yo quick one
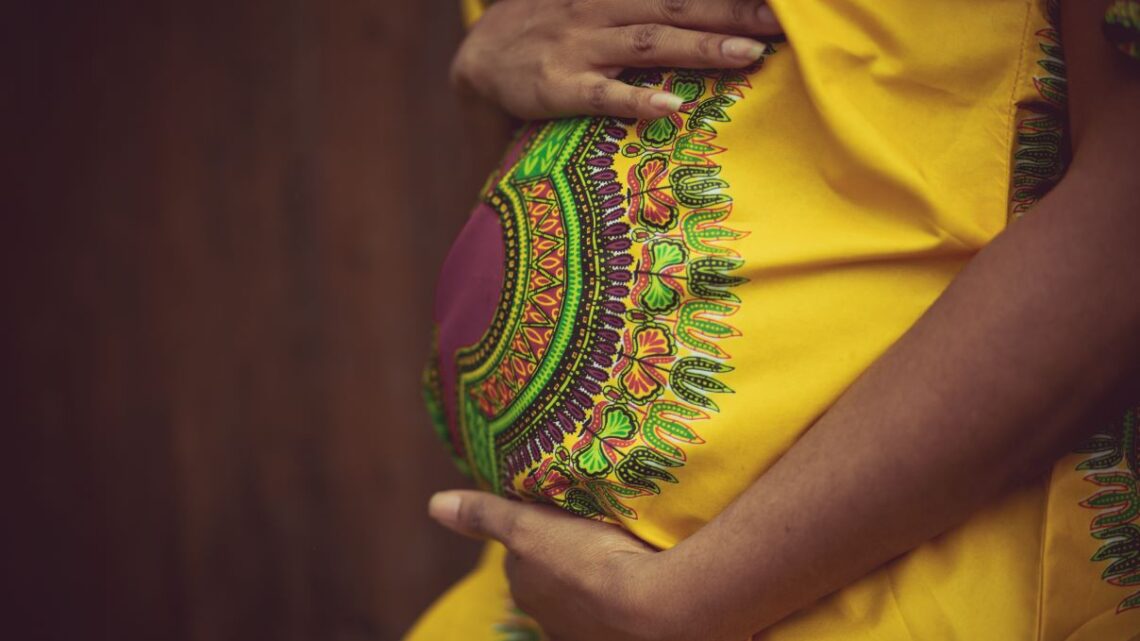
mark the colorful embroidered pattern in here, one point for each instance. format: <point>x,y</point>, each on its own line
<point>1114,465</point>
<point>1040,153</point>
<point>608,342</point>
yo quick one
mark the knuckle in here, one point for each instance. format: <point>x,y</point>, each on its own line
<point>597,94</point>
<point>675,8</point>
<point>708,46</point>
<point>575,8</point>
<point>545,69</point>
<point>743,11</point>
<point>645,38</point>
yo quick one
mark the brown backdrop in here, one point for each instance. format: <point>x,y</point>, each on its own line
<point>223,224</point>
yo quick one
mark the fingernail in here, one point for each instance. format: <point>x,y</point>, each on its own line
<point>767,17</point>
<point>444,507</point>
<point>742,48</point>
<point>664,100</point>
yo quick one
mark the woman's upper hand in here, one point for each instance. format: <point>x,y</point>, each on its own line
<point>553,58</point>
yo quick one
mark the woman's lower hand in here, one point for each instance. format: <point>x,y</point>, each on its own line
<point>581,580</point>
<point>553,58</point>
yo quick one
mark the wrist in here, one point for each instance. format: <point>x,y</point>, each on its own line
<point>697,600</point>
<point>669,594</point>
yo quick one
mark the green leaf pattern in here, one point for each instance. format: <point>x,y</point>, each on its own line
<point>664,254</point>
<point>1113,459</point>
<point>618,424</point>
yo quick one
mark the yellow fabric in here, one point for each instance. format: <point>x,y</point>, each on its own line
<point>870,160</point>
<point>471,10</point>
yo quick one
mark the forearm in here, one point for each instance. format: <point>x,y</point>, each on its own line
<point>1002,374</point>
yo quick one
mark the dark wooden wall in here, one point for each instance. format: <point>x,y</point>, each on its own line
<point>223,221</point>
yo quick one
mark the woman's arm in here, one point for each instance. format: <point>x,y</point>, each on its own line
<point>999,377</point>
<point>996,380</point>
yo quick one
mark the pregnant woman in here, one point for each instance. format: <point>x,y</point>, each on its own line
<point>791,340</point>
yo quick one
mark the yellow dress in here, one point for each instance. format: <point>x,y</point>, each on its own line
<point>641,317</point>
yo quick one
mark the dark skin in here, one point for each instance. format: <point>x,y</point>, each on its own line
<point>539,59</point>
<point>1035,340</point>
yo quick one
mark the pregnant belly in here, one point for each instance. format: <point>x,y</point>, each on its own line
<point>583,312</point>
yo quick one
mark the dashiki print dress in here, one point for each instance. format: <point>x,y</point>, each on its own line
<point>640,317</point>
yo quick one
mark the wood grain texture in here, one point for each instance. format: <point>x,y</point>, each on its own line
<point>224,224</point>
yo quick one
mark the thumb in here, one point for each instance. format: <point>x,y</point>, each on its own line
<point>476,514</point>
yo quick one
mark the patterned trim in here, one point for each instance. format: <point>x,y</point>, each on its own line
<point>1041,151</point>
<point>1114,465</point>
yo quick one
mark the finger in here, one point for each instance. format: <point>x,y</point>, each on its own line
<point>477,514</point>
<point>752,17</point>
<point>593,94</point>
<point>654,45</point>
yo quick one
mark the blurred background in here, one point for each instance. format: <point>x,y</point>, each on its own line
<point>223,222</point>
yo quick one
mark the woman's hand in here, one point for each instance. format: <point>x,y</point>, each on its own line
<point>550,58</point>
<point>581,580</point>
